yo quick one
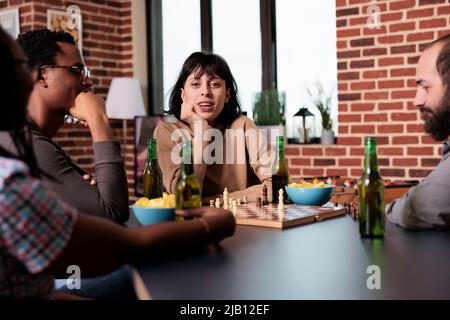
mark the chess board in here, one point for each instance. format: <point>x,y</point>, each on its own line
<point>292,215</point>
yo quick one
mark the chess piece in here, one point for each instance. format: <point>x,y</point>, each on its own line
<point>239,201</point>
<point>265,201</point>
<point>211,203</point>
<point>329,180</point>
<point>280,199</point>
<point>217,203</point>
<point>280,214</point>
<point>258,202</point>
<point>245,200</point>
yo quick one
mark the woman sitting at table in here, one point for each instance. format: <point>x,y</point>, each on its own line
<point>41,236</point>
<point>229,150</point>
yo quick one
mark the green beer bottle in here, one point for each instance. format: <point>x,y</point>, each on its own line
<point>152,176</point>
<point>371,194</point>
<point>187,191</point>
<point>280,173</point>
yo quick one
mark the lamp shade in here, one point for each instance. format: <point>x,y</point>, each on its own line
<point>124,99</point>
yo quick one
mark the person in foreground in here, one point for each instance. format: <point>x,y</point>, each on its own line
<point>427,205</point>
<point>63,88</point>
<point>229,150</point>
<point>41,235</point>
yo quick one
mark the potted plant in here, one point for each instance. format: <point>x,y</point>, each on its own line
<point>322,102</point>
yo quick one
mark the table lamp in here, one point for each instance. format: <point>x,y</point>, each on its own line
<point>125,101</point>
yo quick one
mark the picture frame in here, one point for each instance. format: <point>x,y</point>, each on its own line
<point>10,21</point>
<point>69,21</point>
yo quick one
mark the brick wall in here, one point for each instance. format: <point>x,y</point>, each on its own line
<point>107,50</point>
<point>376,86</point>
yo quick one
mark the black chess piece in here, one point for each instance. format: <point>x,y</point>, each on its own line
<point>258,202</point>
<point>265,201</point>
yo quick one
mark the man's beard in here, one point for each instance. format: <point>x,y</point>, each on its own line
<point>437,122</point>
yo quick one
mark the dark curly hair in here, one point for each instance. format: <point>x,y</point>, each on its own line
<point>40,46</point>
<point>213,65</point>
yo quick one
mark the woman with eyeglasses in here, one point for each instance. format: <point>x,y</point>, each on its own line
<point>41,235</point>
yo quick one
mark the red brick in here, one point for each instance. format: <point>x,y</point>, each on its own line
<point>405,140</point>
<point>343,129</point>
<point>376,117</point>
<point>349,118</point>
<point>341,3</point>
<point>313,172</point>
<point>392,172</point>
<point>362,64</point>
<point>366,85</point>
<point>362,107</point>
<point>349,54</point>
<point>421,36</point>
<point>433,23</point>
<point>410,48</point>
<point>341,23</point>
<point>390,106</point>
<point>404,4</point>
<point>430,162</point>
<point>389,128</point>
<point>391,16</point>
<point>342,86</point>
<point>390,39</point>
<point>442,10</point>
<point>404,94</point>
<point>391,84</point>
<point>335,152</point>
<point>404,26</point>
<point>404,116</point>
<point>337,173</point>
<point>349,96</point>
<point>375,74</point>
<point>292,151</point>
<point>375,31</point>
<point>393,151</point>
<point>324,162</point>
<point>349,141</point>
<point>375,52</point>
<point>341,44</point>
<point>342,107</point>
<point>428,2</point>
<point>379,95</point>
<point>420,151</point>
<point>362,129</point>
<point>312,151</point>
<point>390,61</point>
<point>410,128</point>
<point>362,42</point>
<point>419,13</point>
<point>428,139</point>
<point>350,162</point>
<point>357,151</point>
<point>348,33</point>
<point>405,162</point>
<point>301,162</point>
<point>356,172</point>
<point>358,20</point>
<point>414,173</point>
<point>403,72</point>
<point>347,12</point>
<point>348,76</point>
<point>294,171</point>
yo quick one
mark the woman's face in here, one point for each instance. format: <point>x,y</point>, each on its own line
<point>207,94</point>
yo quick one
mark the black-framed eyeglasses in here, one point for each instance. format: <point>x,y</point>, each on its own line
<point>79,69</point>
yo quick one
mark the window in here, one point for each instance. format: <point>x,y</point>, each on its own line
<point>306,53</point>
<point>181,37</point>
<point>237,38</point>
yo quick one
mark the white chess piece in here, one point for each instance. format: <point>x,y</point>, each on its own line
<point>245,200</point>
<point>225,199</point>
<point>211,203</point>
<point>280,199</point>
<point>217,203</point>
<point>239,201</point>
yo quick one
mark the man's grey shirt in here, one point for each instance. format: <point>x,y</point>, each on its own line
<point>109,198</point>
<point>422,206</point>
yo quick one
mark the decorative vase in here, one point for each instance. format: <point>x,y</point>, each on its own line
<point>327,137</point>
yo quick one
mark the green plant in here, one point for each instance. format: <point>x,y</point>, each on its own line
<point>268,108</point>
<point>322,102</point>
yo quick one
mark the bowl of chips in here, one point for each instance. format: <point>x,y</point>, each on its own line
<point>310,194</point>
<point>151,211</point>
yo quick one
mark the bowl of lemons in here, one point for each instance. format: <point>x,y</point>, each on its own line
<point>151,211</point>
<point>310,194</point>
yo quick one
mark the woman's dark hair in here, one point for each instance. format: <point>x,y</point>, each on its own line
<point>13,114</point>
<point>213,65</point>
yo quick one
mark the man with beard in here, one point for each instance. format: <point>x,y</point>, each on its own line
<point>63,87</point>
<point>428,204</point>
